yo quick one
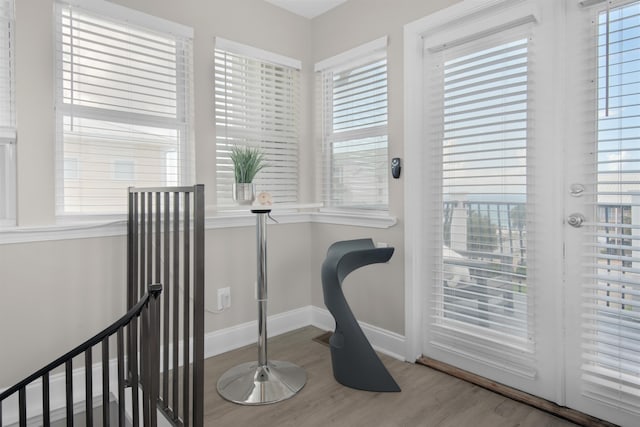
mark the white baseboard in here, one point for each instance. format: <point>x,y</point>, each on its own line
<point>216,342</point>
<point>386,342</point>
<point>234,337</point>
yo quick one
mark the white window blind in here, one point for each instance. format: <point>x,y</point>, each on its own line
<point>123,108</point>
<point>481,293</point>
<point>7,112</point>
<point>611,299</point>
<point>257,104</point>
<point>355,136</point>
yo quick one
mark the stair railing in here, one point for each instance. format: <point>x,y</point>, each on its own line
<point>146,311</point>
<point>166,245</point>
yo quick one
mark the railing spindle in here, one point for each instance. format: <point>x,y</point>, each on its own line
<point>105,382</point>
<point>133,363</point>
<point>142,238</point>
<point>69,391</point>
<point>46,405</point>
<point>133,276</point>
<point>198,307</point>
<point>88,386</point>
<point>149,261</point>
<point>145,369</point>
<point>154,348</point>
<point>176,301</point>
<point>166,298</point>
<point>22,406</point>
<point>135,249</point>
<point>186,312</point>
<point>158,245</point>
<point>121,379</point>
<point>130,249</point>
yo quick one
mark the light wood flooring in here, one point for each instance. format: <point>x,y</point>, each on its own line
<point>428,398</point>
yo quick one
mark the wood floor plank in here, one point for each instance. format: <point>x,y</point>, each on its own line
<point>429,398</point>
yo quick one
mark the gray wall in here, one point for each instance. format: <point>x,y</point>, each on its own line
<point>375,293</point>
<point>56,294</point>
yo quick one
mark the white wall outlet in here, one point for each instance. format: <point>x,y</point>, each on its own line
<point>224,298</point>
<point>382,245</point>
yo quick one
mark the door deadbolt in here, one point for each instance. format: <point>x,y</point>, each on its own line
<point>576,220</point>
<point>576,190</point>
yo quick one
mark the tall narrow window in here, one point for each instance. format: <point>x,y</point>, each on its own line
<point>257,104</point>
<point>7,114</point>
<point>354,125</point>
<point>481,292</point>
<point>611,350</point>
<point>123,106</point>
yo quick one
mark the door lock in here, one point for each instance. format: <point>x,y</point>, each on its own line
<point>577,190</point>
<point>576,220</point>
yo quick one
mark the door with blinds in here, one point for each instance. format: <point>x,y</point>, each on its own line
<point>495,248</point>
<point>532,135</point>
<point>603,212</point>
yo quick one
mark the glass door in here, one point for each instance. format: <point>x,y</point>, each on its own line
<point>528,261</point>
<point>603,210</point>
<point>493,243</point>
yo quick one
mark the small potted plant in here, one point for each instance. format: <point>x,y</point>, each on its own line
<point>247,162</point>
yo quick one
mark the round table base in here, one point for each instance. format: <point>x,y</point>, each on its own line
<point>252,384</point>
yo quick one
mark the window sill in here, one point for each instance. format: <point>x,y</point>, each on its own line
<point>355,219</point>
<point>225,218</point>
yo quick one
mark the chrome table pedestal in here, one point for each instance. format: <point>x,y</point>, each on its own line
<point>264,381</point>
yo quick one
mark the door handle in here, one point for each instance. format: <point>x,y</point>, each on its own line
<point>575,220</point>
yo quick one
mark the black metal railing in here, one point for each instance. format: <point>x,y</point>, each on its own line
<point>166,244</point>
<point>146,341</point>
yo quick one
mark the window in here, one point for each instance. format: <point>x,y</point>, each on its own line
<point>354,126</point>
<point>124,170</point>
<point>257,104</point>
<point>7,114</point>
<point>123,104</point>
<point>611,319</point>
<point>481,123</point>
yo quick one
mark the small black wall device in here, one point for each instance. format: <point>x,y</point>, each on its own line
<point>396,167</point>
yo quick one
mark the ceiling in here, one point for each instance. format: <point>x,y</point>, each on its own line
<point>307,8</point>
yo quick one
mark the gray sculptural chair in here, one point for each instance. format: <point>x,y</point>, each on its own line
<point>355,363</point>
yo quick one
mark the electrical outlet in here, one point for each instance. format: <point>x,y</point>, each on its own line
<point>224,298</point>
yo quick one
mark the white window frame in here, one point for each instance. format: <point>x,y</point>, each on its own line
<point>182,124</point>
<point>8,131</point>
<point>375,50</point>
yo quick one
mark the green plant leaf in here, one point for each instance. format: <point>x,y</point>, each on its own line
<point>247,162</point>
